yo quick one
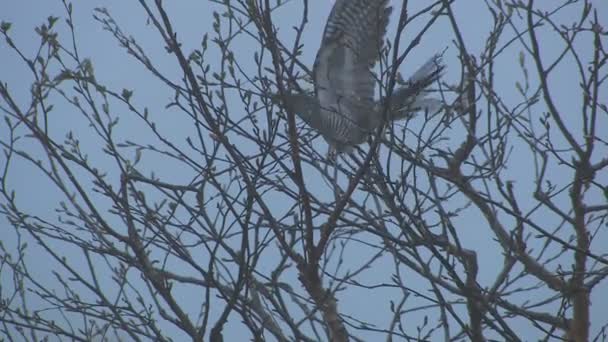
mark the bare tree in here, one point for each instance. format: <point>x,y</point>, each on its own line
<point>220,215</point>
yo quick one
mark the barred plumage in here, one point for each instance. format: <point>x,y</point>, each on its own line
<point>343,109</point>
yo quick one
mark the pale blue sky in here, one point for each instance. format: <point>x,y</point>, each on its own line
<point>192,19</point>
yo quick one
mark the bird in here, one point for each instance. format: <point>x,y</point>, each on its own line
<point>342,108</point>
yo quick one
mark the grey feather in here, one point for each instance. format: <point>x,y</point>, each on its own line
<point>343,109</point>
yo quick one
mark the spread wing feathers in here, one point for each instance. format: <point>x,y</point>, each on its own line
<point>351,45</point>
<point>428,73</point>
<point>412,96</point>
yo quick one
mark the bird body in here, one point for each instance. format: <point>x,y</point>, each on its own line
<point>343,109</point>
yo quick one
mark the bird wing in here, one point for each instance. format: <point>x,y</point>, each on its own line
<point>350,47</point>
<point>412,96</point>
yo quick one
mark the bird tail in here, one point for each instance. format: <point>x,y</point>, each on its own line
<point>413,95</point>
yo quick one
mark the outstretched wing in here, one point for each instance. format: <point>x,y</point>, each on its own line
<point>350,47</point>
<point>413,95</point>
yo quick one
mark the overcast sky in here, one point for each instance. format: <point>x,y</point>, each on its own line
<point>192,19</point>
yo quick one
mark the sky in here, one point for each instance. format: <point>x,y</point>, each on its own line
<point>192,19</point>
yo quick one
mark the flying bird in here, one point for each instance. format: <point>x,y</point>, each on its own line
<point>342,107</point>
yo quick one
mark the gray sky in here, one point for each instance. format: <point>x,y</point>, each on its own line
<point>192,19</point>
